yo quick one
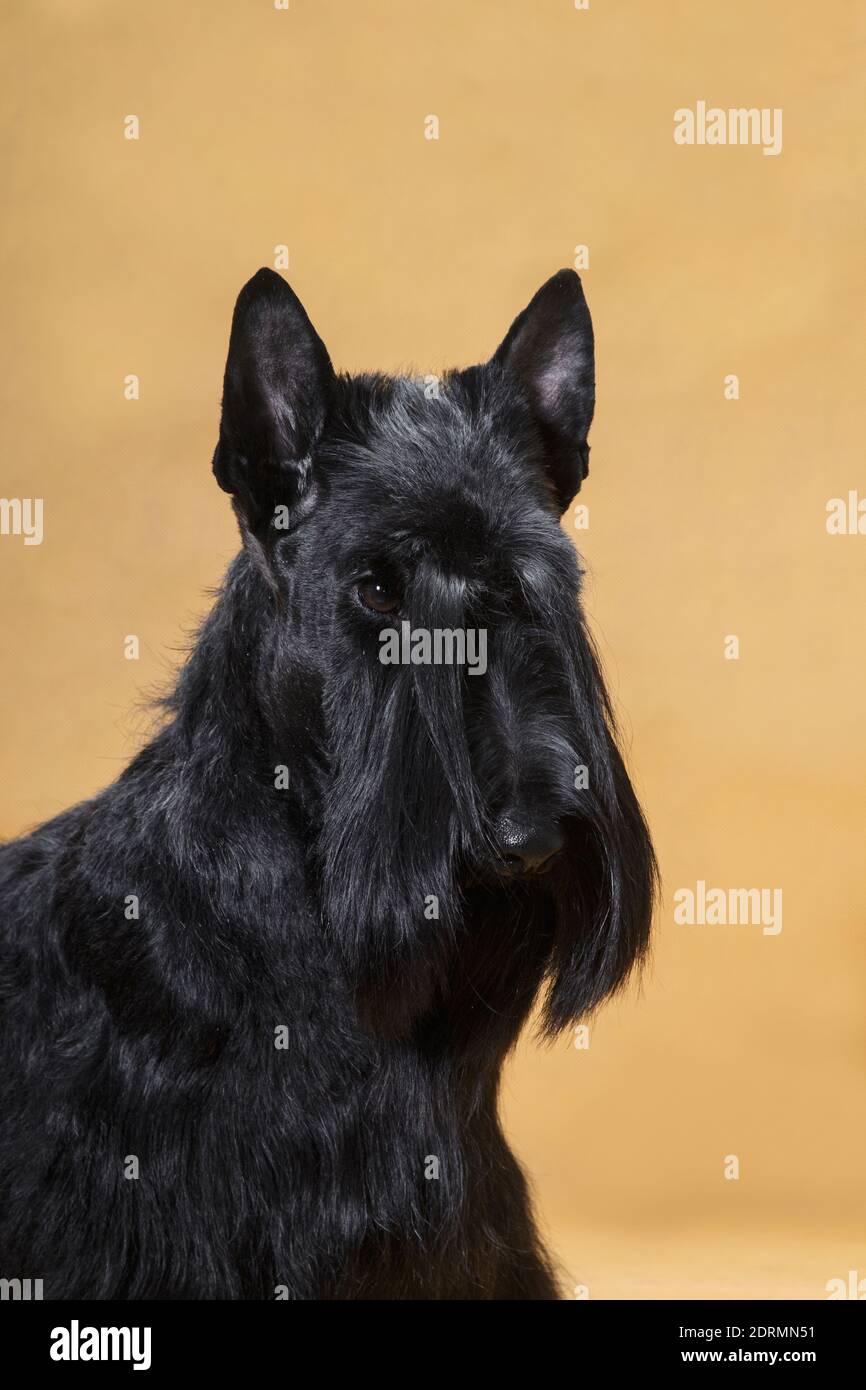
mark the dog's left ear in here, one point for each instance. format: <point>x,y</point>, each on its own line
<point>276,395</point>
<point>550,349</point>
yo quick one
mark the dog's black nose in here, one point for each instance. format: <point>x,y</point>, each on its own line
<point>525,847</point>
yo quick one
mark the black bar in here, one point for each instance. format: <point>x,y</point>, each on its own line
<point>248,1338</point>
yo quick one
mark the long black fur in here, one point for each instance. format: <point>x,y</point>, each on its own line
<point>307,1169</point>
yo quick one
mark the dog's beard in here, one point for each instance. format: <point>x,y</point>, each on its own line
<point>602,891</point>
<point>406,834</point>
<point>605,882</point>
<point>392,839</point>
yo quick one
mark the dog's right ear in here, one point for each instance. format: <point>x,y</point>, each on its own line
<point>276,395</point>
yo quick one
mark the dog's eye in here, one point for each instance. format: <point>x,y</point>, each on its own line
<point>378,596</point>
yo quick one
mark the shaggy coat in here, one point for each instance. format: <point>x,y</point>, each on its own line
<point>257,994</point>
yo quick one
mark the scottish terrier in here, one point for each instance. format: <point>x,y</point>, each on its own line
<point>257,995</point>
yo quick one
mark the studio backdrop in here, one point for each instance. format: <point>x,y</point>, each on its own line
<point>416,172</point>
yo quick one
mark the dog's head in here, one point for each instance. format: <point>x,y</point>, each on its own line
<point>428,636</point>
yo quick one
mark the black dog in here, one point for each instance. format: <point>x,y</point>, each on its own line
<point>257,994</point>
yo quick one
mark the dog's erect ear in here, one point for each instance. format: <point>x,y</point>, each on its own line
<point>549,348</point>
<point>276,394</point>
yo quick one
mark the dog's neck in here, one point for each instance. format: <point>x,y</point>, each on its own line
<point>239,714</point>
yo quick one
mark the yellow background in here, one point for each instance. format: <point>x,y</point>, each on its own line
<point>707,516</point>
